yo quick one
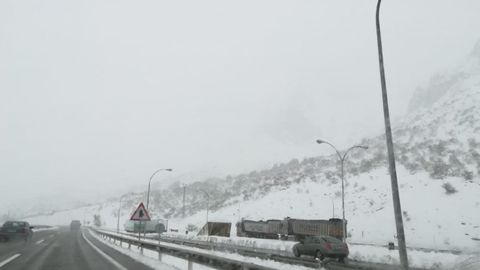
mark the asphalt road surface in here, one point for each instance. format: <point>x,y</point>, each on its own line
<point>63,249</point>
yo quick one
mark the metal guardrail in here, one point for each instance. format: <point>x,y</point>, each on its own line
<point>276,255</point>
<point>283,256</point>
<point>210,260</point>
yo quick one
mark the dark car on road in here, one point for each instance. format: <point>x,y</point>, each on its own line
<point>75,225</point>
<point>16,230</point>
<point>321,247</point>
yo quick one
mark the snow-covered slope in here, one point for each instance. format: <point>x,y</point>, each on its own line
<point>438,153</point>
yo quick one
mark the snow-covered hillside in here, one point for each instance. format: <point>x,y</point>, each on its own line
<point>438,155</point>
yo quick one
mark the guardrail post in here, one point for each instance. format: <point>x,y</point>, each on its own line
<point>190,265</point>
<point>159,254</point>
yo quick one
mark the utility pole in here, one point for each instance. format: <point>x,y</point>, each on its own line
<point>208,202</point>
<point>184,189</point>
<point>402,247</point>
<point>118,213</point>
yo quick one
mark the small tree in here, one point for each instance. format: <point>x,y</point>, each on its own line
<point>449,189</point>
<point>439,169</point>
<point>192,228</point>
<point>467,175</point>
<point>97,221</point>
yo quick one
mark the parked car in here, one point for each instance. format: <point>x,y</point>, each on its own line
<point>321,247</point>
<point>16,230</point>
<point>75,225</point>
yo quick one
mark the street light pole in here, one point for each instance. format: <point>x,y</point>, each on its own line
<point>118,214</point>
<point>148,194</point>
<point>150,181</point>
<point>402,246</point>
<point>208,203</point>
<point>342,159</point>
<point>183,208</point>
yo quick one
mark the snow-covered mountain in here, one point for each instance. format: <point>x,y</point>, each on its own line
<point>438,157</point>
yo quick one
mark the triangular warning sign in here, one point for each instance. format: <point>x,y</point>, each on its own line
<point>140,214</point>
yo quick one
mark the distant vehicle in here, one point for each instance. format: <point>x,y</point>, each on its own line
<point>290,228</point>
<point>75,225</point>
<point>16,230</point>
<point>152,226</point>
<point>321,247</point>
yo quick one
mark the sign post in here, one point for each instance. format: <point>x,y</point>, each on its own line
<point>141,214</point>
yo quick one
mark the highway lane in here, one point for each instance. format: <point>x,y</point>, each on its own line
<point>63,249</point>
<point>12,247</point>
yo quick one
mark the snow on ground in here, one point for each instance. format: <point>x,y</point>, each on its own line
<point>420,259</point>
<point>432,219</point>
<point>52,228</point>
<point>233,256</point>
<point>134,253</point>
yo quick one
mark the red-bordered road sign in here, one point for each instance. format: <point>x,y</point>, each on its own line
<point>140,214</point>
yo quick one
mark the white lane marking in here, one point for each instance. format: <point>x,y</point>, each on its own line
<point>110,259</point>
<point>9,259</point>
<point>39,241</point>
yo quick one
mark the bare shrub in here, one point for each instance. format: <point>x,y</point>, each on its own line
<point>449,189</point>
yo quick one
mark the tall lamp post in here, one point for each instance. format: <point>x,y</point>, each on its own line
<point>148,193</point>
<point>208,202</point>
<point>183,207</point>
<point>342,159</point>
<point>402,246</point>
<point>150,181</point>
<point>118,214</point>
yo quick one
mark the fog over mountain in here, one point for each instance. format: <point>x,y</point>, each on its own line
<point>438,165</point>
<point>439,139</point>
<point>425,96</point>
<point>95,96</point>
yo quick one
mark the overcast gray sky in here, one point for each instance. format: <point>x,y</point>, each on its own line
<point>96,95</point>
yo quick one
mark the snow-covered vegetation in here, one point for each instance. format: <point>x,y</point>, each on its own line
<point>438,155</point>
